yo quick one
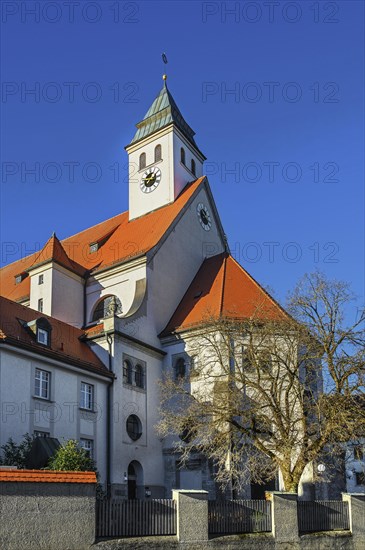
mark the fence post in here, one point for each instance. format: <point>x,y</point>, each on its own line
<point>192,515</point>
<point>284,518</point>
<point>356,503</point>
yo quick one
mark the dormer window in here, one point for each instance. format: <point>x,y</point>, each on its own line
<point>42,336</point>
<point>93,247</point>
<point>20,277</point>
<point>182,155</point>
<point>40,329</point>
<point>193,169</point>
<point>142,161</point>
<point>158,153</point>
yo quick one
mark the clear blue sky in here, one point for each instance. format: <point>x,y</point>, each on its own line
<point>293,128</point>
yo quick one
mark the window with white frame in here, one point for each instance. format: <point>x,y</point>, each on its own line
<point>40,305</point>
<point>87,396</point>
<point>42,384</point>
<point>43,336</point>
<point>88,446</point>
<point>41,279</point>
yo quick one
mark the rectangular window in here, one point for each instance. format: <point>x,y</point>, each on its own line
<point>358,452</point>
<point>40,305</point>
<point>41,388</point>
<point>37,433</point>
<point>87,396</point>
<point>42,336</point>
<point>40,279</point>
<point>88,446</point>
<point>360,478</point>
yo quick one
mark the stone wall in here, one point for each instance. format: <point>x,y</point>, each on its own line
<point>47,515</point>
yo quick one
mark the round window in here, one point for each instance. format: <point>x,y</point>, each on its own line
<point>134,427</point>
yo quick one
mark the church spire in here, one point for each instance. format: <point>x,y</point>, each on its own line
<point>163,112</point>
<point>163,156</point>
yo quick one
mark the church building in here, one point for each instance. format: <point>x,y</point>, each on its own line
<point>89,324</point>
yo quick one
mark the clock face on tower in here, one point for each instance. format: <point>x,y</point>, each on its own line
<point>150,179</point>
<point>204,216</point>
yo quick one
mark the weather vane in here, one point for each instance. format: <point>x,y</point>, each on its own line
<point>164,59</point>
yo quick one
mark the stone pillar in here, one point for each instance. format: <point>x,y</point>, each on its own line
<point>357,518</point>
<point>284,517</point>
<point>192,515</point>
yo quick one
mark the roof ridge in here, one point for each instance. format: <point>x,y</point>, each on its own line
<point>223,283</point>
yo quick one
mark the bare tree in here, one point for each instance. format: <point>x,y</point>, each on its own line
<point>272,392</point>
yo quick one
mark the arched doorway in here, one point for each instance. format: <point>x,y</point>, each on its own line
<point>135,480</point>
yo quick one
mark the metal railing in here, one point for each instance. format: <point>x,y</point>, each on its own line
<point>135,518</point>
<point>239,516</point>
<point>322,515</point>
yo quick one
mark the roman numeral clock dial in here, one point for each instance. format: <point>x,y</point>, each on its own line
<point>150,179</point>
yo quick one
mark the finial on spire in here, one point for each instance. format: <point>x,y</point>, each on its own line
<point>164,59</point>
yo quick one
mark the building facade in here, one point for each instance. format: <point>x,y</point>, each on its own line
<point>131,290</point>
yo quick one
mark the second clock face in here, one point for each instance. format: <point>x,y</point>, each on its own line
<point>150,179</point>
<point>204,216</point>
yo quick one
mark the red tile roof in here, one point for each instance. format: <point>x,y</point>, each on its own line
<point>46,476</point>
<point>122,239</point>
<point>222,289</point>
<point>65,346</point>
<point>54,251</point>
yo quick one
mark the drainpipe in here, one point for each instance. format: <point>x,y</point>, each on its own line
<point>109,339</point>
<point>84,309</point>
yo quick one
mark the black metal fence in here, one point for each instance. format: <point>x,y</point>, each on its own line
<point>239,516</point>
<point>322,515</point>
<point>135,518</point>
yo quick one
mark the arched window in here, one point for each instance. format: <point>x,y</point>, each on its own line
<point>134,427</point>
<point>107,307</point>
<point>142,161</point>
<point>182,155</point>
<point>158,153</point>
<point>180,368</point>
<point>139,376</point>
<point>193,169</point>
<point>127,372</point>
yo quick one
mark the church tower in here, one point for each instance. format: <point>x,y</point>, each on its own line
<point>163,157</point>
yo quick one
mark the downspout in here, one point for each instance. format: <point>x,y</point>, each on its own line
<point>84,309</point>
<point>109,339</point>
